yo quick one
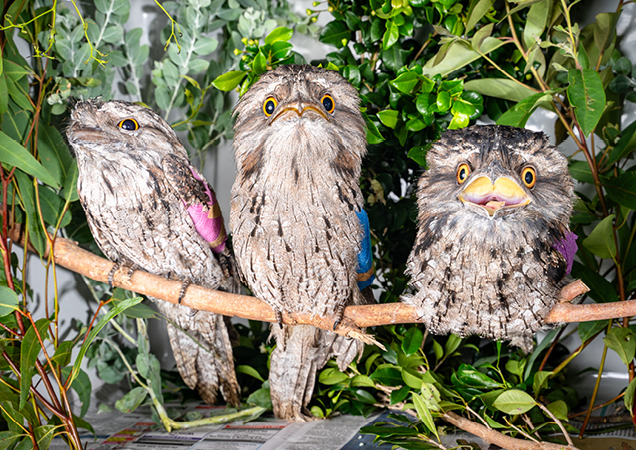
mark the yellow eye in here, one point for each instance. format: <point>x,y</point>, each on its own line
<point>269,106</point>
<point>328,103</point>
<point>529,177</point>
<point>462,173</point>
<point>128,125</point>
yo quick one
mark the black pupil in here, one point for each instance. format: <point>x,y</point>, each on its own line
<point>529,177</point>
<point>462,173</point>
<point>269,107</point>
<point>327,103</point>
<point>128,125</point>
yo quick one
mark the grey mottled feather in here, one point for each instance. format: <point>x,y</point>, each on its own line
<point>134,187</point>
<point>295,231</point>
<point>496,277</point>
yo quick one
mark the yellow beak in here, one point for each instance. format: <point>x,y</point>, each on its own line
<point>504,193</point>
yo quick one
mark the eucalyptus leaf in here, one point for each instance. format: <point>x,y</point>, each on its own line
<point>587,95</point>
<point>29,351</point>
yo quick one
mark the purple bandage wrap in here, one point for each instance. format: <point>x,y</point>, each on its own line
<point>208,220</point>
<point>567,247</point>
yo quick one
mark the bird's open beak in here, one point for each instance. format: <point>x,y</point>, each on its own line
<point>296,110</point>
<point>504,193</point>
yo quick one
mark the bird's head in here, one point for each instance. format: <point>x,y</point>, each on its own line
<point>98,128</point>
<point>498,172</point>
<point>299,111</point>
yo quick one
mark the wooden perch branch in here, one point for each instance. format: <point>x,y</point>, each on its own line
<point>67,254</point>
<point>495,437</point>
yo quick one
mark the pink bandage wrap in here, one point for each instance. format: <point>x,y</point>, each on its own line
<point>208,220</point>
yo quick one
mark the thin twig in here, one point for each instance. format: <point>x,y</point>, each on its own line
<point>558,422</point>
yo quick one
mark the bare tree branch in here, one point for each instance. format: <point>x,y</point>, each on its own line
<point>497,438</point>
<point>69,255</point>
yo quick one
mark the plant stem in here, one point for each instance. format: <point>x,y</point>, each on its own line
<point>598,382</point>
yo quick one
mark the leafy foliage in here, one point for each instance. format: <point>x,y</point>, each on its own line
<point>421,67</point>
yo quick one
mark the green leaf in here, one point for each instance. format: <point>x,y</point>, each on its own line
<point>580,171</point>
<point>587,95</point>
<point>8,438</point>
<point>249,370</point>
<point>514,402</point>
<point>459,56</point>
<point>205,45</point>
<point>540,381</point>
<point>459,120</point>
<point>362,381</point>
<point>622,189</point>
<point>412,341</point>
<point>261,397</point>
<point>412,378</point>
<point>469,376</point>
<point>399,395</point>
<point>601,290</point>
<point>622,148</point>
<point>335,33</point>
<point>114,312</point>
<point>82,386</point>
<point>229,80</point>
<point>439,351</point>
<point>452,343</point>
<point>8,301</point>
<point>424,414</point>
<point>418,154</point>
<point>52,207</point>
<point>259,65</point>
<point>279,34</point>
<point>589,329</point>
<point>500,88</point>
<point>54,154</point>
<point>63,353</point>
<point>477,10</point>
<point>559,409</point>
<point>536,21</point>
<point>388,117</point>
<point>373,134</point>
<point>391,35</point>
<point>518,115</point>
<point>630,392</point>
<point>131,401</point>
<point>332,376</point>
<point>27,193</point>
<point>388,376</point>
<point>431,396</point>
<point>601,239</point>
<point>29,351</point>
<point>406,82</point>
<point>622,341</point>
<point>14,155</point>
<point>443,101</point>
<point>605,29</point>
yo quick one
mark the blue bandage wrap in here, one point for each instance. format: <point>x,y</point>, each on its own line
<point>365,270</point>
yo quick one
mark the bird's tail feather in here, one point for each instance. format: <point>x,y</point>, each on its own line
<point>203,352</point>
<point>301,351</point>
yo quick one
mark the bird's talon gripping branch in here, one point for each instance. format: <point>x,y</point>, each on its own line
<point>184,288</point>
<point>339,316</point>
